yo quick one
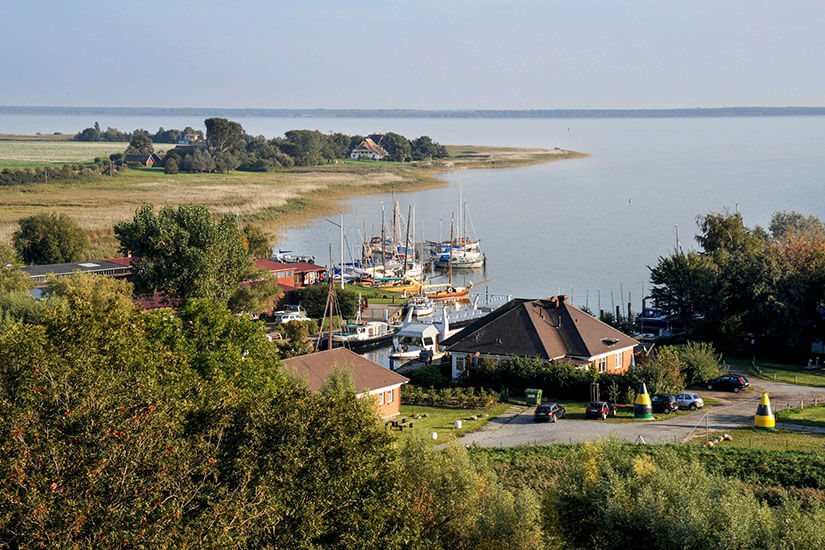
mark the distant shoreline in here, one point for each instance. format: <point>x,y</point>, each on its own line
<point>690,112</point>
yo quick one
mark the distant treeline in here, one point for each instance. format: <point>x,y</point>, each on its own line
<point>94,133</point>
<point>424,113</point>
<point>46,174</point>
<point>229,147</point>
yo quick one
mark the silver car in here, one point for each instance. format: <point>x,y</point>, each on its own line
<point>689,400</point>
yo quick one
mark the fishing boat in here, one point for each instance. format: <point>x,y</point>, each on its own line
<point>416,340</point>
<point>364,334</point>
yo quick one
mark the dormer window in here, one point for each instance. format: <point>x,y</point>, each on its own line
<point>610,341</point>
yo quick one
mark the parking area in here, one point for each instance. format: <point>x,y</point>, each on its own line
<point>733,411</point>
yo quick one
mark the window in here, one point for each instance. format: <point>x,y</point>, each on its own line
<point>619,360</point>
<point>459,362</point>
<point>603,364</point>
<point>381,398</point>
<point>389,396</point>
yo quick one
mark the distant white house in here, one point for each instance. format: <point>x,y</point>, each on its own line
<point>368,148</point>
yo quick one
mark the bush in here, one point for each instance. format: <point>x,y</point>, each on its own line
<point>429,376</point>
<point>661,373</point>
<point>700,362</point>
<point>449,398</point>
<point>170,166</point>
<point>609,495</point>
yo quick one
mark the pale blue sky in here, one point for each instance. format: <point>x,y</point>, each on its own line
<point>462,54</point>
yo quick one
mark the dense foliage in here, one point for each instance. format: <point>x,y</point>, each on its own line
<point>607,497</point>
<point>94,133</point>
<point>313,298</point>
<point>184,252</point>
<point>748,284</point>
<point>126,428</point>
<point>49,238</point>
<point>451,398</point>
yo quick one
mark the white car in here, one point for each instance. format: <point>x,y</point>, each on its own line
<point>284,317</point>
<point>689,400</point>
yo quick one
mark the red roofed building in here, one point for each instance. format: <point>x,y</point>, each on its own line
<point>370,378</point>
<point>293,275</point>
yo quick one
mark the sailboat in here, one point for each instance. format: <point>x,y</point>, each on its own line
<point>447,292</point>
<point>460,253</point>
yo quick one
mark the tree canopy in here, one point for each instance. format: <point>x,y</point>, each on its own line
<point>184,252</point>
<point>140,144</point>
<point>49,238</point>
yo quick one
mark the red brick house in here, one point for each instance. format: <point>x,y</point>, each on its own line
<point>370,378</point>
<point>548,329</point>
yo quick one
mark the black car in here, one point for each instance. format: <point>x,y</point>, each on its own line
<point>664,403</point>
<point>729,382</point>
<point>548,412</point>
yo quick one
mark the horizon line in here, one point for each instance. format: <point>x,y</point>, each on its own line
<point>401,112</point>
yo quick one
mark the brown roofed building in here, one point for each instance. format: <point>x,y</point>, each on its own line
<point>549,329</point>
<point>368,148</point>
<point>369,378</point>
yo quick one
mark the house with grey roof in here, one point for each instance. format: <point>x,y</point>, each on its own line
<point>549,329</point>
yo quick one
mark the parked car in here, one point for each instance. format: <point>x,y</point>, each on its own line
<point>689,400</point>
<point>664,403</point>
<point>283,317</point>
<point>548,412</point>
<point>730,382</point>
<point>600,409</point>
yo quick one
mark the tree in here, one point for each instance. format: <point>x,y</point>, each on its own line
<point>424,148</point>
<point>684,285</point>
<point>784,222</point>
<point>397,146</point>
<point>198,161</point>
<point>224,136</point>
<point>258,242</point>
<point>49,238</point>
<point>11,277</point>
<point>184,252</point>
<point>170,166</point>
<point>256,295</point>
<point>141,144</point>
<point>314,297</point>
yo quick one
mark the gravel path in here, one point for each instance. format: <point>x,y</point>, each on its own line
<point>734,411</point>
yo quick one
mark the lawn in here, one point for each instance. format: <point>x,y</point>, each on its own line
<point>778,440</point>
<point>21,154</point>
<point>809,416</point>
<point>779,372</point>
<point>442,421</point>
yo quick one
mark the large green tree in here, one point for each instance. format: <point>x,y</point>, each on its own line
<point>11,277</point>
<point>184,252</point>
<point>49,238</point>
<point>226,140</point>
<point>140,144</point>
<point>123,428</point>
<point>397,146</point>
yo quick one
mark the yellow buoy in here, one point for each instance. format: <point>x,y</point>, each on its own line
<point>642,407</point>
<point>764,419</point>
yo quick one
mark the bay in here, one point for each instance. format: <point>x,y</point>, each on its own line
<point>588,228</point>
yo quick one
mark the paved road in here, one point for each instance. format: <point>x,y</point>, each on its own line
<point>516,426</point>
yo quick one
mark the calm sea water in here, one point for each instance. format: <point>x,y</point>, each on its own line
<point>588,228</point>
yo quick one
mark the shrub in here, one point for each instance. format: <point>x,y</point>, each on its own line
<point>429,376</point>
<point>449,398</point>
<point>700,362</point>
<point>661,373</point>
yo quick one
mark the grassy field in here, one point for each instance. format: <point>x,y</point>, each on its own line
<point>809,416</point>
<point>442,421</point>
<point>790,374</point>
<point>275,200</point>
<point>778,440</point>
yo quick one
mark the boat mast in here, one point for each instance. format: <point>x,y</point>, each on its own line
<point>383,238</point>
<point>452,226</point>
<point>407,243</point>
<point>342,250</point>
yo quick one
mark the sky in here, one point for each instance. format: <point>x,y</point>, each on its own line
<point>447,54</point>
